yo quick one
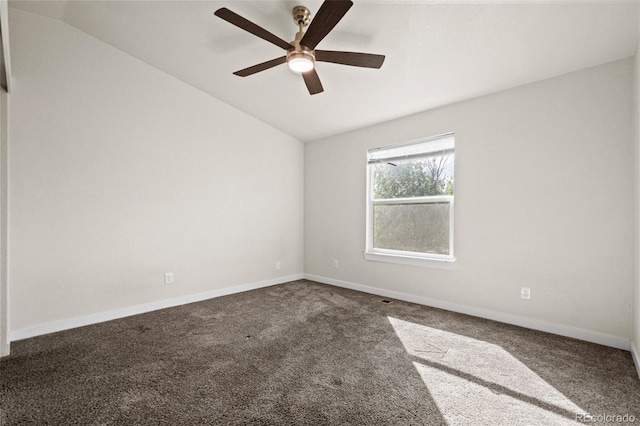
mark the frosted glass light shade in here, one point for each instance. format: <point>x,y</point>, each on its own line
<point>300,62</point>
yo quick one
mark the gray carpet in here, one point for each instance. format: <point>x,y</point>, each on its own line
<point>307,353</point>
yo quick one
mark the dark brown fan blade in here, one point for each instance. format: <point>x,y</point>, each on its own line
<point>355,59</point>
<point>249,26</point>
<point>329,14</point>
<point>261,67</point>
<point>312,81</point>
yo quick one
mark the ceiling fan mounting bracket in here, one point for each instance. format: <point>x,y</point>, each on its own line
<point>301,15</point>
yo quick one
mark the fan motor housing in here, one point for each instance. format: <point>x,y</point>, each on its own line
<point>301,50</point>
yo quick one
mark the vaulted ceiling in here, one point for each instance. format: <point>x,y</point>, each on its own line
<point>437,53</point>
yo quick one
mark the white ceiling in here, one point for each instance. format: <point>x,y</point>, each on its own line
<point>437,53</point>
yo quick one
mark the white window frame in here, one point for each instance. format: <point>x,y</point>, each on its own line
<point>399,256</point>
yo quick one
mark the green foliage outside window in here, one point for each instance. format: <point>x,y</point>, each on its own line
<point>417,178</point>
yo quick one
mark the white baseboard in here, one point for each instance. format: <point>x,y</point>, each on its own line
<point>562,330</point>
<point>65,324</point>
<point>576,333</point>
<point>636,357</point>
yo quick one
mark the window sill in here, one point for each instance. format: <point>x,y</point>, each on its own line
<point>410,260</point>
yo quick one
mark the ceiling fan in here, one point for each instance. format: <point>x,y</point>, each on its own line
<point>301,53</point>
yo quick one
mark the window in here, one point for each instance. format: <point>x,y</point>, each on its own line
<point>410,201</point>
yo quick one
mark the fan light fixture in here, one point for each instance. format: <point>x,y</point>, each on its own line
<point>301,52</point>
<point>300,62</point>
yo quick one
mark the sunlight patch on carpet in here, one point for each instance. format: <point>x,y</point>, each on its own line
<point>471,379</point>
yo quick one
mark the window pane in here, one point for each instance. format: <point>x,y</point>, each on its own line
<point>422,228</point>
<point>414,178</point>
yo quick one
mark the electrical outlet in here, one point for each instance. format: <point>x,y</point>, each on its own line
<point>336,264</point>
<point>168,277</point>
<point>525,293</point>
<point>278,265</point>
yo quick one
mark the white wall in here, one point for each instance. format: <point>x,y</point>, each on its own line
<point>543,200</point>
<point>635,337</point>
<point>4,186</point>
<point>120,173</point>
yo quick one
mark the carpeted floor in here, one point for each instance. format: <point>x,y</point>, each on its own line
<point>307,353</point>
